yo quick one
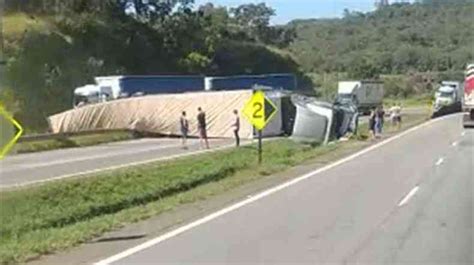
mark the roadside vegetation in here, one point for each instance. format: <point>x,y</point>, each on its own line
<point>72,141</point>
<point>52,46</point>
<point>421,101</point>
<point>411,47</point>
<point>422,37</point>
<point>55,216</point>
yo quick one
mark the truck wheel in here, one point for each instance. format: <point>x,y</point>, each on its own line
<point>468,120</point>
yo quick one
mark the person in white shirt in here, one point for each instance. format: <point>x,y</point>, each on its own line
<point>396,115</point>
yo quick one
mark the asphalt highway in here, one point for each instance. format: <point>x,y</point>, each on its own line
<point>34,168</point>
<point>408,200</point>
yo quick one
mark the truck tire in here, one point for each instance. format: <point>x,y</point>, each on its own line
<point>468,120</point>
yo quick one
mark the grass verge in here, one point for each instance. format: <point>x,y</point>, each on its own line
<point>424,100</point>
<point>41,220</point>
<point>73,141</point>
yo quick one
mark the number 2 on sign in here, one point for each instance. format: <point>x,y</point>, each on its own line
<point>257,110</point>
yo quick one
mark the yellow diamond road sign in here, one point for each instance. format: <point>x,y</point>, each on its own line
<point>259,110</point>
<point>10,131</point>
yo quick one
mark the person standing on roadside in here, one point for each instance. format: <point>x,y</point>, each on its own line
<point>393,114</point>
<point>396,116</point>
<point>184,127</point>
<point>379,120</point>
<point>201,120</point>
<point>236,127</point>
<point>372,123</point>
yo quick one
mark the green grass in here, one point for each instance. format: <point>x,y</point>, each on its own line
<point>388,129</point>
<point>6,132</point>
<point>73,141</point>
<point>44,219</point>
<point>16,24</point>
<point>34,220</point>
<point>424,100</point>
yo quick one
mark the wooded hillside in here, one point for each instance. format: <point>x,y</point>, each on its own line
<point>430,35</point>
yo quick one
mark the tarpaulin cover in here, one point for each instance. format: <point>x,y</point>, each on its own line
<point>159,114</point>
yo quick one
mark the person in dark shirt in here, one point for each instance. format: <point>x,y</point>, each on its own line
<point>201,120</point>
<point>184,127</point>
<point>236,127</point>
<point>379,120</point>
<point>372,123</point>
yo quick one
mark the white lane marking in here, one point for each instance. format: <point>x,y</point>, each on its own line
<point>463,133</point>
<point>408,196</point>
<point>85,158</point>
<point>88,172</point>
<point>256,197</point>
<point>454,144</point>
<point>440,161</point>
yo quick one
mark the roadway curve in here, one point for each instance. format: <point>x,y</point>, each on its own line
<point>409,200</point>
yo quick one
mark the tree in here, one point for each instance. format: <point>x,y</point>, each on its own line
<point>362,67</point>
<point>253,17</point>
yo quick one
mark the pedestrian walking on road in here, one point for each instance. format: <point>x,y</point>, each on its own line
<point>201,120</point>
<point>236,127</point>
<point>184,127</point>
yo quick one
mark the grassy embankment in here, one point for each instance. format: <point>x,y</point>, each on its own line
<point>59,215</point>
<point>425,100</point>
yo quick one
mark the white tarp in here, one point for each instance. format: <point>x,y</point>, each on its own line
<point>160,114</point>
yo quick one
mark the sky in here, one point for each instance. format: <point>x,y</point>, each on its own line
<point>287,10</point>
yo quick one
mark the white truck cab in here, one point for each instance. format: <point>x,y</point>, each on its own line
<point>90,94</point>
<point>105,89</point>
<point>448,93</point>
<point>445,96</point>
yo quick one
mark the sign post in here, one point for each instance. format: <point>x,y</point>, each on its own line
<point>259,146</point>
<point>259,110</point>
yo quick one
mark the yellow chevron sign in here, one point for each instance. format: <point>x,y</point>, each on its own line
<point>259,110</point>
<point>8,136</point>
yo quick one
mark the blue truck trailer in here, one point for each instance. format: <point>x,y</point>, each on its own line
<point>113,87</point>
<point>274,81</point>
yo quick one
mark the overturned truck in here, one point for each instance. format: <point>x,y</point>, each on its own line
<point>321,122</point>
<point>303,117</point>
<point>159,114</point>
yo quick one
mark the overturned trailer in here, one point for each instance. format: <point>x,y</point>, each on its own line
<point>159,114</point>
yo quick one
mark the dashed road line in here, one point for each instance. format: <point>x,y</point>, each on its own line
<point>440,161</point>
<point>408,196</point>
